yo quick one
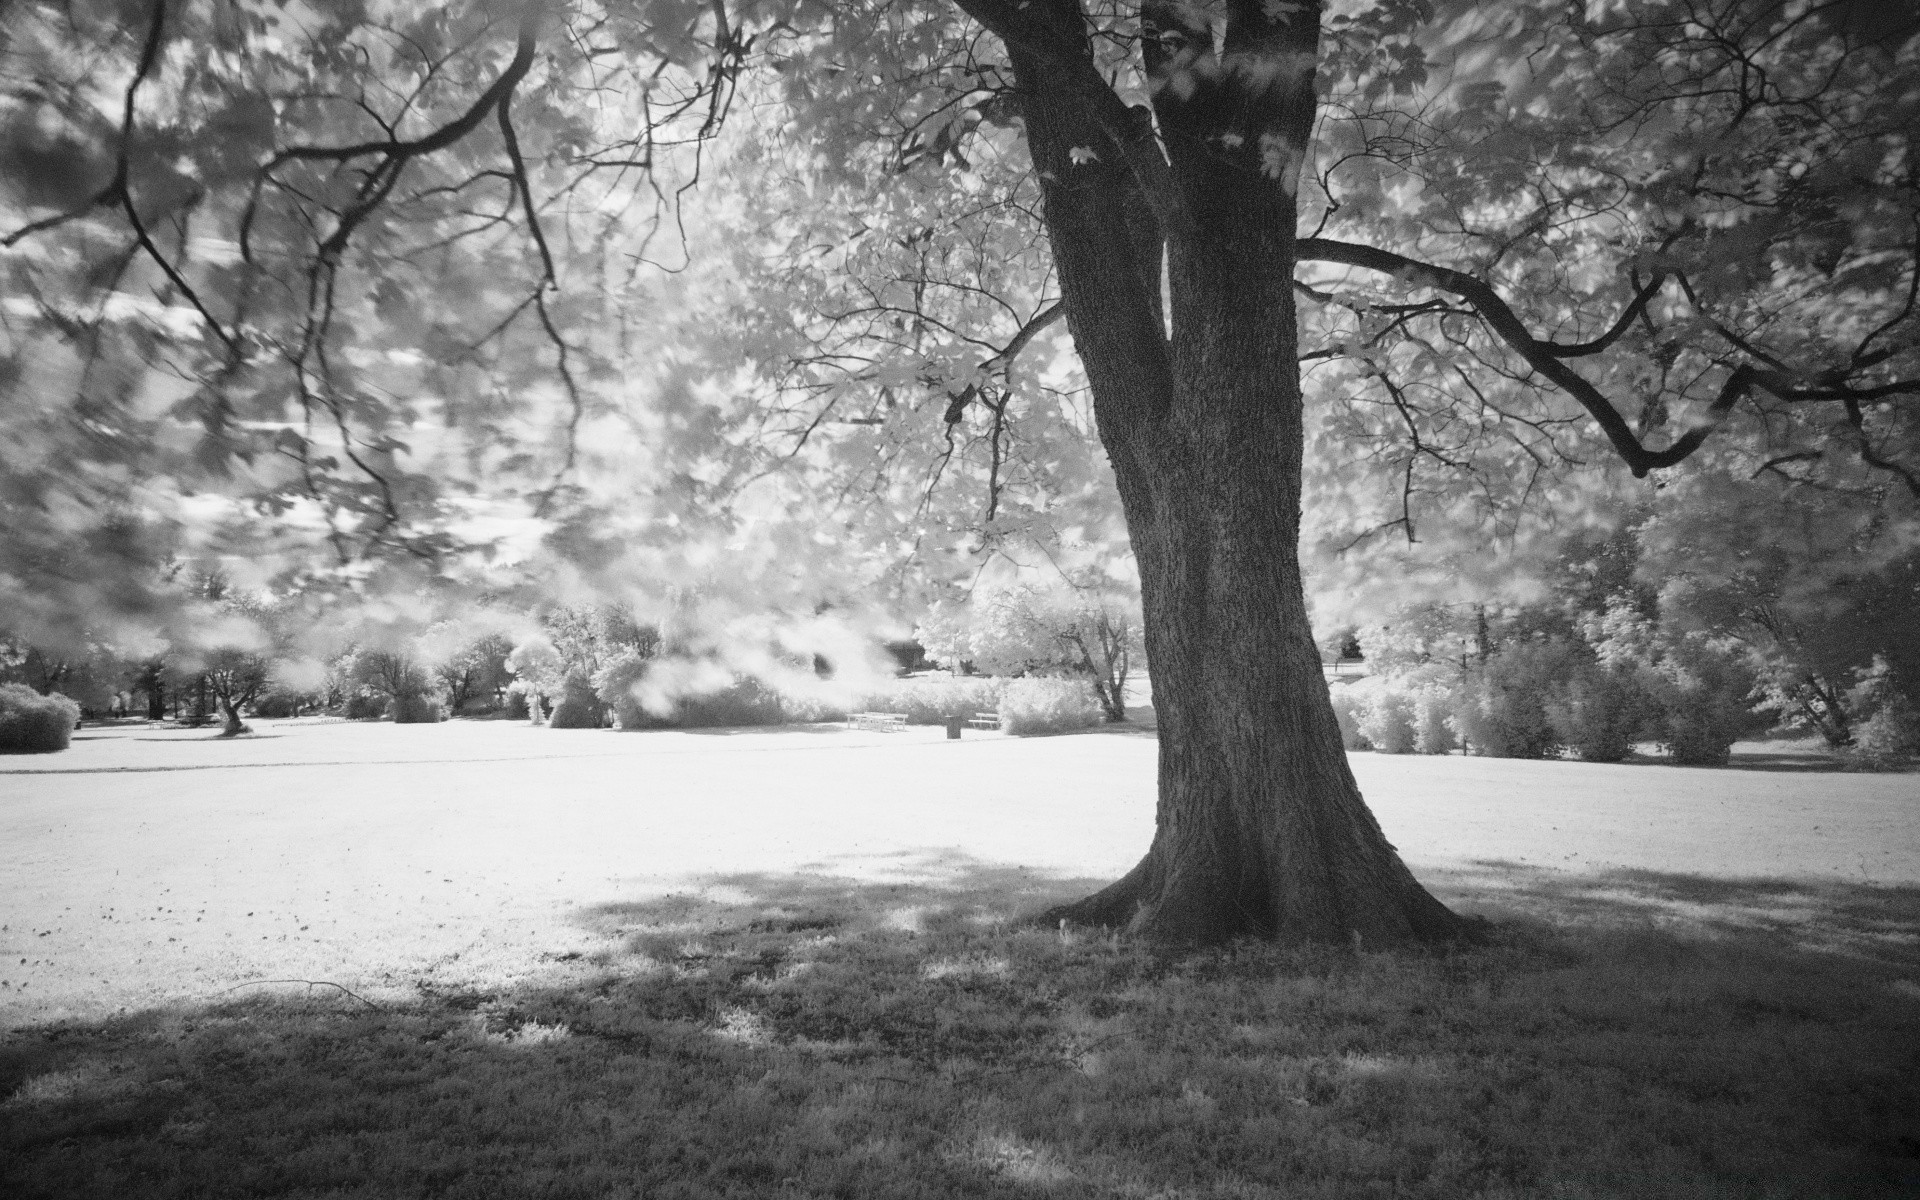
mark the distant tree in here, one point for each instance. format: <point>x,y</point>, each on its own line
<point>395,674</point>
<point>90,673</point>
<point>150,680</point>
<point>576,644</point>
<point>241,636</point>
<point>1062,627</point>
<point>236,677</point>
<point>478,668</point>
<point>1817,583</point>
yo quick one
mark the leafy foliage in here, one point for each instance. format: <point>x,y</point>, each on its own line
<point>1040,705</point>
<point>31,723</point>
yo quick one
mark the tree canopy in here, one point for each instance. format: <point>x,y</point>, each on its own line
<point>1527,242</point>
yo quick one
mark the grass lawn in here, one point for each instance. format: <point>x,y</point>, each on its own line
<point>572,963</point>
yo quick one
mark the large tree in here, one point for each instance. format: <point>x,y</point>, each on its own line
<point>1709,206</point>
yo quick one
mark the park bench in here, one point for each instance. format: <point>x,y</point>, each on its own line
<point>885,722</point>
<point>984,720</point>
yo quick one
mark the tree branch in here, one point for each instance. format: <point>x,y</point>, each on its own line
<point>525,190</point>
<point>1025,27</point>
<point>1040,320</point>
<point>1612,335</point>
<point>447,134</point>
<point>1545,357</point>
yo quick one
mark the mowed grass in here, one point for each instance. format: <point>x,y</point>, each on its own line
<point>807,1036</point>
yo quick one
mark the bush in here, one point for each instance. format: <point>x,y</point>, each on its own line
<point>1395,714</point>
<point>1887,731</point>
<point>1348,705</point>
<point>1500,708</point>
<point>1599,712</point>
<point>1043,705</point>
<point>931,699</point>
<point>614,684</point>
<point>366,706</point>
<point>811,705</point>
<point>1702,688</point>
<point>516,709</point>
<point>1432,730</point>
<point>578,707</point>
<point>1889,737</point>
<point>747,702</point>
<point>280,704</point>
<point>34,724</point>
<point>1387,720</point>
<point>417,710</point>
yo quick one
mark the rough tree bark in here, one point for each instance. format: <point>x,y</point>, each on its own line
<point>1261,830</point>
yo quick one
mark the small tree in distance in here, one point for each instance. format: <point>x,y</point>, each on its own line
<point>467,663</point>
<point>398,676</point>
<point>1028,629</point>
<point>235,665</point>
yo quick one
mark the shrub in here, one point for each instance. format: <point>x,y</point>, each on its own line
<point>1702,688</point>
<point>1500,707</point>
<point>1395,714</point>
<point>747,702</point>
<point>1890,734</point>
<point>810,706</point>
<point>931,699</point>
<point>1432,732</point>
<point>1347,707</point>
<point>1887,730</point>
<point>280,704</point>
<point>417,710</point>
<point>614,684</point>
<point>34,724</point>
<point>578,707</point>
<point>1387,718</point>
<point>1045,705</point>
<point>516,709</point>
<point>1599,712</point>
<point>366,706</point>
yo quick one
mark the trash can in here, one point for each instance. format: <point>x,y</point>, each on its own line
<point>954,724</point>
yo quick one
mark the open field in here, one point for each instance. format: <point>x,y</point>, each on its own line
<point>744,963</point>
<point>153,865</point>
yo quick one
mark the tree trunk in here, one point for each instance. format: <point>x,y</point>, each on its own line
<point>232,725</point>
<point>1260,829</point>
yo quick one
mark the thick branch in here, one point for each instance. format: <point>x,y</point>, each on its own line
<point>525,190</point>
<point>1045,317</point>
<point>1509,327</point>
<point>1040,32</point>
<point>1612,335</point>
<point>957,401</point>
<point>447,134</point>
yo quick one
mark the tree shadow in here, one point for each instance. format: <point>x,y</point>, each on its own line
<point>888,1025</point>
<point>905,891</point>
<point>1875,921</point>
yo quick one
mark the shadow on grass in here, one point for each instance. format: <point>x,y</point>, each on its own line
<point>1876,921</point>
<point>902,1034</point>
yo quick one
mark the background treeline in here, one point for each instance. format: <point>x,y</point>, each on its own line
<point>1631,646</point>
<point>1044,658</point>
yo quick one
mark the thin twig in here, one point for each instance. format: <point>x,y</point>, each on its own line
<point>312,983</point>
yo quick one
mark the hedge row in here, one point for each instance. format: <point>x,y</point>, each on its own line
<point>1538,699</point>
<point>1026,706</point>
